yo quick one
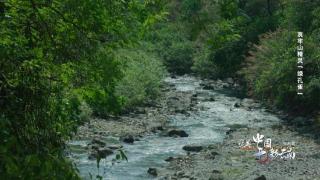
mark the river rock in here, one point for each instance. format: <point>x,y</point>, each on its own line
<point>237,105</point>
<point>225,85</point>
<point>208,87</point>
<point>262,177</point>
<point>193,148</point>
<point>98,142</point>
<point>169,159</point>
<point>114,146</point>
<point>159,128</point>
<point>250,103</point>
<point>230,80</point>
<point>177,132</point>
<point>104,152</point>
<point>153,171</point>
<point>216,171</point>
<point>101,153</point>
<point>127,139</point>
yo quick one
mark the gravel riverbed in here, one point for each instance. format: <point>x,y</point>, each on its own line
<point>192,132</point>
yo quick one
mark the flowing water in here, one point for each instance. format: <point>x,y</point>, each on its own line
<point>207,125</point>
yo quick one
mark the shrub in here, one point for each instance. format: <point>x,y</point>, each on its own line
<point>178,57</point>
<point>172,45</point>
<point>203,64</point>
<point>143,74</point>
<point>272,72</point>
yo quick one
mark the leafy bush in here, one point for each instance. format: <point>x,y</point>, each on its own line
<point>178,57</point>
<point>203,64</point>
<point>272,72</point>
<point>95,82</point>
<point>172,45</point>
<point>143,75</point>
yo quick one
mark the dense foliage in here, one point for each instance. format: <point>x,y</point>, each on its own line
<point>143,73</point>
<point>271,69</point>
<point>58,67</point>
<point>251,40</point>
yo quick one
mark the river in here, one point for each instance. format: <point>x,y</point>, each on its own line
<point>214,112</point>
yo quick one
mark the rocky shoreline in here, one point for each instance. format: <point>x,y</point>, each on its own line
<point>227,161</point>
<point>213,161</point>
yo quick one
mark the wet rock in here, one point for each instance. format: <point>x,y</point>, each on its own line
<point>177,132</point>
<point>127,139</point>
<point>225,85</point>
<point>160,128</point>
<point>230,80</point>
<point>208,87</point>
<point>231,130</point>
<point>90,126</point>
<point>193,148</point>
<point>101,153</point>
<point>94,146</point>
<point>212,154</point>
<point>182,111</point>
<point>169,159</point>
<point>153,171</point>
<point>237,105</point>
<point>180,173</point>
<point>250,104</point>
<point>114,146</point>
<point>98,142</point>
<point>216,171</point>
<point>157,128</point>
<point>104,152</point>
<point>92,156</point>
<point>262,177</point>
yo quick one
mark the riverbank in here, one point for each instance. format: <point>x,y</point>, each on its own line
<point>140,121</point>
<point>227,160</point>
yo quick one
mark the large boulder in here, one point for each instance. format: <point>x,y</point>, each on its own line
<point>177,133</point>
<point>192,148</point>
